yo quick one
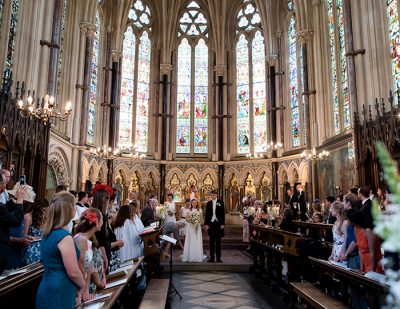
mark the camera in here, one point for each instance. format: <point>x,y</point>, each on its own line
<point>22,180</point>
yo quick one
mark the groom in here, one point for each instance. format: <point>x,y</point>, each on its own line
<point>215,223</point>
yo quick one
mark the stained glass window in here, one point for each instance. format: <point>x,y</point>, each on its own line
<point>201,98</point>
<point>127,88</point>
<point>61,50</point>
<point>192,83</point>
<point>251,118</point>
<point>135,79</point>
<point>93,82</point>
<point>340,95</point>
<point>184,96</point>
<point>293,84</point>
<point>143,90</point>
<point>394,36</point>
<point>12,34</point>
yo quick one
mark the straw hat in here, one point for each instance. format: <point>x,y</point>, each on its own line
<point>29,194</point>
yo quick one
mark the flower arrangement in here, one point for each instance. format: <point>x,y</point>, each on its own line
<point>387,224</point>
<point>161,211</point>
<point>195,220</point>
<point>251,211</point>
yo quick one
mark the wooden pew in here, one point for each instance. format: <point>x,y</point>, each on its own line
<point>314,296</point>
<point>375,290</point>
<point>25,283</point>
<point>156,294</point>
<point>315,230</point>
<point>151,251</point>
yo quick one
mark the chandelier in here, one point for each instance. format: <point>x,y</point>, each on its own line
<point>255,156</point>
<point>272,146</point>
<point>314,156</point>
<point>45,109</point>
<point>104,152</point>
<point>130,151</point>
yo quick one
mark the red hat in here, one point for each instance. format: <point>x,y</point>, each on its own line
<point>106,188</point>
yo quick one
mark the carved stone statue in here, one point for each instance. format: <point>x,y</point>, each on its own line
<point>208,185</point>
<point>175,188</point>
<point>250,189</point>
<point>118,186</point>
<point>234,194</point>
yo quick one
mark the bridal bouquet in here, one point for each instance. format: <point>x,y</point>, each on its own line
<point>387,224</point>
<point>251,211</point>
<point>195,220</point>
<point>161,211</point>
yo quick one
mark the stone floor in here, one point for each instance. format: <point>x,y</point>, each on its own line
<point>222,290</point>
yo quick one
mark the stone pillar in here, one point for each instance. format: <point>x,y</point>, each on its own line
<point>87,30</point>
<point>280,82</point>
<point>351,72</point>
<point>106,94</point>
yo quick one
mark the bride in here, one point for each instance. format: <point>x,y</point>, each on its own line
<point>193,249</point>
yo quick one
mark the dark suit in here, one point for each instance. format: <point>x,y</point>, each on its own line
<point>11,215</point>
<point>293,199</point>
<point>301,199</point>
<point>366,210</point>
<point>147,215</point>
<point>214,228</point>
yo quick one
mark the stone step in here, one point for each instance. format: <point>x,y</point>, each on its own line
<point>233,261</point>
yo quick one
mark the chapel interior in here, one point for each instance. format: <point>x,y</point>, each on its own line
<point>246,97</point>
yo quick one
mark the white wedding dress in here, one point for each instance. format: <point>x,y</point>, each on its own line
<point>193,249</point>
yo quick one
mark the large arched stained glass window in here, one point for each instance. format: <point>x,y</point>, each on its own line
<point>61,51</point>
<point>93,82</point>
<point>394,36</point>
<point>338,66</point>
<point>192,83</point>
<point>251,118</point>
<point>135,79</point>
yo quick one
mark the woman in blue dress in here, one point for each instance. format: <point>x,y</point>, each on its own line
<point>62,277</point>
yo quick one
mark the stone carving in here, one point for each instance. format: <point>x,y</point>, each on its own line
<point>250,189</point>
<point>220,69</point>
<point>304,36</point>
<point>208,185</point>
<point>165,68</point>
<point>60,167</point>
<point>234,194</point>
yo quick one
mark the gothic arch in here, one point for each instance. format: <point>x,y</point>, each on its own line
<point>303,172</point>
<point>229,174</point>
<point>59,163</point>
<point>123,170</point>
<point>293,170</point>
<point>212,173</point>
<point>282,174</point>
<point>244,174</point>
<point>152,171</point>
<point>170,174</point>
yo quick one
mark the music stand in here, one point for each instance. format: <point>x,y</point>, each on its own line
<point>171,289</point>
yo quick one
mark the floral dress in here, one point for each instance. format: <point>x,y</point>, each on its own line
<point>32,252</point>
<point>97,266</point>
<point>338,242</point>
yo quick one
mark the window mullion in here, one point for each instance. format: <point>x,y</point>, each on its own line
<point>251,113</point>
<point>338,65</point>
<point>192,96</point>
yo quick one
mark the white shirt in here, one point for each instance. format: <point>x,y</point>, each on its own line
<point>79,210</point>
<point>214,217</point>
<point>129,233</point>
<point>4,197</point>
<point>192,196</point>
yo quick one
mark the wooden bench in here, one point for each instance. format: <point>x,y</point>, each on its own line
<point>156,294</point>
<point>314,296</point>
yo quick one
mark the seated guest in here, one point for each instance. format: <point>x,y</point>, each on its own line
<point>339,232</point>
<point>262,217</point>
<point>286,221</point>
<point>62,276</point>
<point>126,230</point>
<point>33,228</point>
<point>148,212</point>
<point>90,222</point>
<point>317,218</point>
<point>368,244</point>
<point>11,215</point>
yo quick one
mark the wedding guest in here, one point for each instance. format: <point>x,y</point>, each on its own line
<point>116,244</point>
<point>381,198</point>
<point>286,221</point>
<point>11,215</point>
<point>353,190</point>
<point>98,274</point>
<point>193,249</point>
<point>126,230</point>
<point>170,225</point>
<point>101,201</point>
<point>246,219</point>
<point>60,188</point>
<point>4,197</point>
<point>80,205</point>
<point>328,202</point>
<point>368,244</point>
<point>301,200</point>
<point>182,215</point>
<point>317,218</point>
<point>148,212</point>
<point>62,276</point>
<point>293,202</point>
<point>33,228</point>
<point>263,216</point>
<point>90,222</point>
<point>18,241</point>
<point>366,208</point>
<point>316,210</point>
<point>339,232</point>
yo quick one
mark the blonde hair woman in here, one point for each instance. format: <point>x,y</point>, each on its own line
<point>339,231</point>
<point>62,276</point>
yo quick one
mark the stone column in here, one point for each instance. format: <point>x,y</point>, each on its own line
<point>88,30</point>
<point>106,94</point>
<point>278,36</point>
<point>220,117</point>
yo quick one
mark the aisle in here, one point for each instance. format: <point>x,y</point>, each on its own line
<point>222,290</point>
